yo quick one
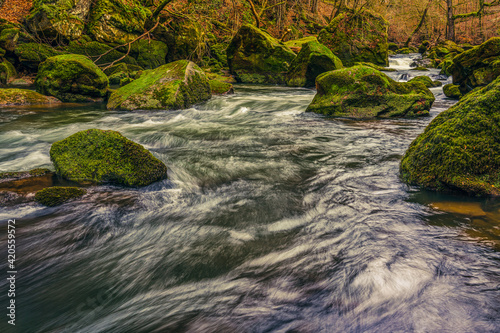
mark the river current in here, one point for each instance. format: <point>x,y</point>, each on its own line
<point>272,220</point>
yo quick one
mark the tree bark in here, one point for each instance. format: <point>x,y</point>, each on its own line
<point>160,7</point>
<point>450,21</point>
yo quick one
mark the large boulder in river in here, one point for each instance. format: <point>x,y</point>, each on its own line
<point>363,92</point>
<point>58,18</point>
<point>254,56</point>
<point>477,67</point>
<point>359,36</point>
<point>71,78</point>
<point>11,96</point>
<point>98,156</point>
<point>313,59</point>
<point>176,85</point>
<point>460,148</point>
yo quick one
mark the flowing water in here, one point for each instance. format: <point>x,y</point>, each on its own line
<point>272,220</point>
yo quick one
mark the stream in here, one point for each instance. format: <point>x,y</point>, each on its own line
<point>272,220</point>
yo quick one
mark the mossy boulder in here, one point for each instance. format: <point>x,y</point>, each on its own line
<point>117,21</point>
<point>359,36</point>
<point>12,36</point>
<point>296,44</point>
<point>176,85</point>
<point>407,50</point>
<point>98,156</point>
<point>58,18</point>
<point>477,67</point>
<point>254,56</point>
<point>57,195</point>
<point>148,53</point>
<point>452,91</point>
<point>377,67</point>
<point>99,52</point>
<point>71,78</point>
<point>121,67</point>
<point>427,81</point>
<point>363,92</point>
<point>186,39</point>
<point>460,148</point>
<point>313,59</point>
<point>7,72</point>
<point>219,87</point>
<point>12,96</point>
<point>30,55</point>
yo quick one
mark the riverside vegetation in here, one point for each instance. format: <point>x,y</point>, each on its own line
<point>124,54</point>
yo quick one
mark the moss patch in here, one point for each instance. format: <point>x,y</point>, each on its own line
<point>71,78</point>
<point>172,86</point>
<point>313,59</point>
<point>94,49</point>
<point>14,96</point>
<point>427,81</point>
<point>296,44</point>
<point>452,91</point>
<point>57,195</point>
<point>460,148</point>
<point>32,54</point>
<point>99,156</point>
<point>7,72</point>
<point>363,92</point>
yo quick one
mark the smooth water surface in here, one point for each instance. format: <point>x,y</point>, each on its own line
<point>272,220</point>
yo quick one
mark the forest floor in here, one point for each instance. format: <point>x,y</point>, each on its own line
<point>15,10</point>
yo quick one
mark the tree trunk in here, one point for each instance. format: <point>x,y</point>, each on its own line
<point>314,6</point>
<point>450,21</point>
<point>422,19</point>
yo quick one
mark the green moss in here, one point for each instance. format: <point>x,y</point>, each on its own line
<point>357,37</point>
<point>420,68</point>
<point>116,78</point>
<point>452,91</point>
<point>24,174</point>
<point>117,21</point>
<point>363,92</point>
<point>95,49</point>
<point>256,57</point>
<point>393,47</point>
<point>460,148</point>
<point>427,81</point>
<point>7,72</point>
<point>186,40</point>
<point>32,54</point>
<point>99,156</point>
<point>424,46</point>
<point>220,87</point>
<point>175,85</point>
<point>121,67</point>
<point>57,195</point>
<point>377,67</point>
<point>14,96</point>
<point>218,53</point>
<point>478,66</point>
<point>312,60</point>
<point>149,54</point>
<point>407,50</point>
<point>296,44</point>
<point>71,78</point>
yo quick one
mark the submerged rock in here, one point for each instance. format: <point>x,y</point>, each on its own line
<point>460,148</point>
<point>13,96</point>
<point>478,66</point>
<point>254,56</point>
<point>57,195</point>
<point>176,85</point>
<point>357,37</point>
<point>363,92</point>
<point>452,91</point>
<point>98,156</point>
<point>313,59</point>
<point>72,78</point>
<point>17,175</point>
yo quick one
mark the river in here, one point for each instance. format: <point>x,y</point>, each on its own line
<point>272,220</point>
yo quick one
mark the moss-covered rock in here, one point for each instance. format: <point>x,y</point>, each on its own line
<point>460,149</point>
<point>12,36</point>
<point>357,37</point>
<point>32,54</point>
<point>313,59</point>
<point>424,46</point>
<point>57,195</point>
<point>218,53</point>
<point>186,39</point>
<point>452,91</point>
<point>377,67</point>
<point>99,52</point>
<point>407,50</point>
<point>176,85</point>
<point>58,18</point>
<point>363,92</point>
<point>149,54</point>
<point>71,78</point>
<point>393,47</point>
<point>427,81</point>
<point>254,56</point>
<point>12,96</point>
<point>7,72</point>
<point>121,67</point>
<point>478,66</point>
<point>296,44</point>
<point>219,87</point>
<point>117,21</point>
<point>98,156</point>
